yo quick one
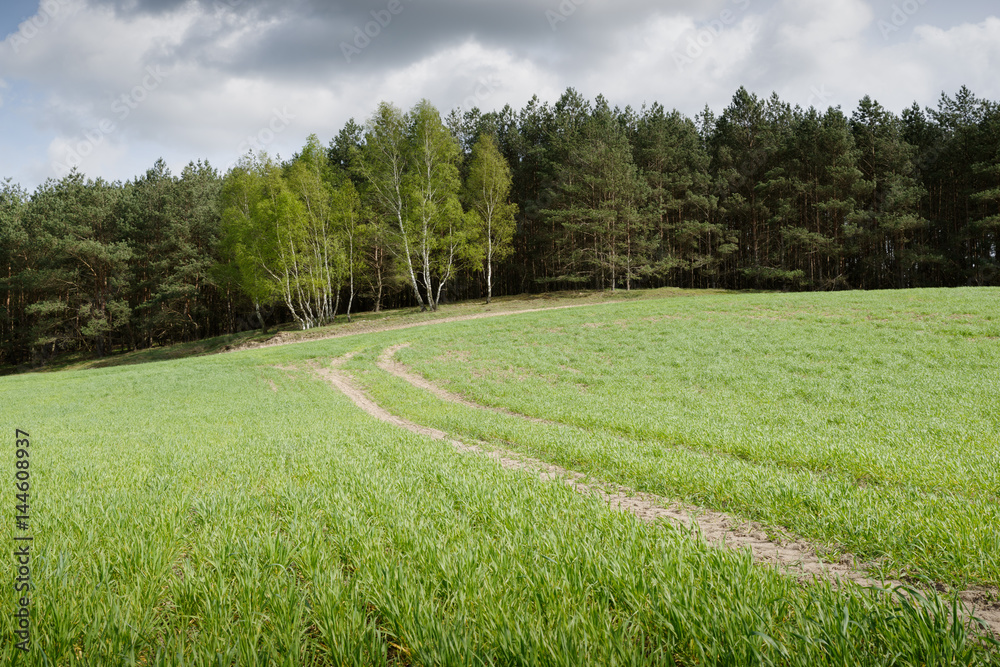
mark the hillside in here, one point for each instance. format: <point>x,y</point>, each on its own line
<point>540,487</point>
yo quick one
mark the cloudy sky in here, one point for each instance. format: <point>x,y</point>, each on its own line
<point>111,85</point>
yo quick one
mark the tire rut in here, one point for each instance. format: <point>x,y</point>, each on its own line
<point>388,363</point>
<point>796,557</point>
<point>367,327</point>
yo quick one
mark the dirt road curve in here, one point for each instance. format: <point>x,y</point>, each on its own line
<point>797,557</point>
<point>369,326</point>
<point>387,363</point>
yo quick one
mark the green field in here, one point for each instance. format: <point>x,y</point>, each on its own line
<point>224,511</point>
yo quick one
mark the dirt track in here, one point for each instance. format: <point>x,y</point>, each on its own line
<point>387,363</point>
<point>369,326</point>
<point>795,557</point>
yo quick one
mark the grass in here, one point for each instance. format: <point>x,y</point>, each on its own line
<point>864,420</point>
<point>223,511</point>
<point>360,323</point>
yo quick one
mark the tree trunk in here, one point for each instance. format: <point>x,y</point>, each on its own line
<point>260,317</point>
<point>350,267</point>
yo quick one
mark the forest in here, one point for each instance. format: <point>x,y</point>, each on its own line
<point>412,208</point>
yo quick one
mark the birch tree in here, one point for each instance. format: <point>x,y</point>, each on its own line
<point>440,233</point>
<point>383,166</point>
<point>410,168</point>
<point>243,246</point>
<point>323,265</point>
<point>350,230</point>
<point>264,223</point>
<point>487,191</point>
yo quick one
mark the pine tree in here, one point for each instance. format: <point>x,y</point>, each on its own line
<point>745,140</point>
<point>16,260</point>
<point>985,218</point>
<point>596,201</point>
<point>886,230</point>
<point>81,282</point>
<point>690,244</point>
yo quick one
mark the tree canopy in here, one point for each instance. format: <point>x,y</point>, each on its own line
<point>408,209</point>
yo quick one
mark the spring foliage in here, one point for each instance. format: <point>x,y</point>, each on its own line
<point>407,209</point>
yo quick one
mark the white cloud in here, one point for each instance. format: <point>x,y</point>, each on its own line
<point>678,60</point>
<point>965,54</point>
<point>467,75</point>
<point>94,154</point>
<point>221,80</point>
<point>812,27</point>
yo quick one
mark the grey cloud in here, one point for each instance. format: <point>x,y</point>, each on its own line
<point>934,12</point>
<point>239,58</point>
<point>304,38</point>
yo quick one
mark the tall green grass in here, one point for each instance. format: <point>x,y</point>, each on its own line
<point>869,421</point>
<point>187,514</point>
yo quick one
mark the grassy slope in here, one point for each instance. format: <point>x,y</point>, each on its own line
<point>867,420</point>
<point>360,323</point>
<point>186,508</point>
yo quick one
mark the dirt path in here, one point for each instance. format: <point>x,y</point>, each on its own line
<point>796,557</point>
<point>369,326</point>
<point>388,363</point>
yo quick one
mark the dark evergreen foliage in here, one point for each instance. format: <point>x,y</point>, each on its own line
<point>761,196</point>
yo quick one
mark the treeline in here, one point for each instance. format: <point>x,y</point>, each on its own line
<point>412,209</point>
<point>763,196</point>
